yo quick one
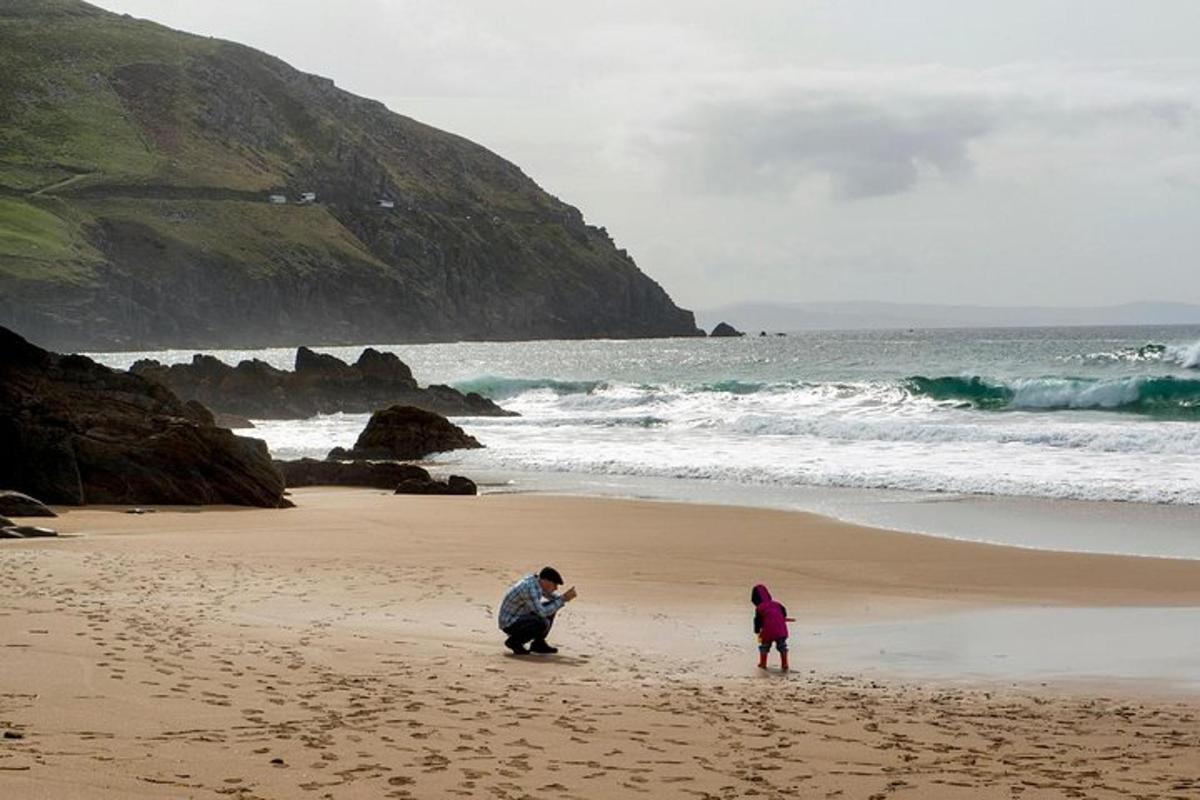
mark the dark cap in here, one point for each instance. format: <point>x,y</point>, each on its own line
<point>551,574</point>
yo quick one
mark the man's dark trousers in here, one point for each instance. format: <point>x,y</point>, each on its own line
<point>528,628</point>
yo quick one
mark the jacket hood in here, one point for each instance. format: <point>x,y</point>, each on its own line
<point>759,594</point>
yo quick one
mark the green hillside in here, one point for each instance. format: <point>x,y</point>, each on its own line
<point>136,166</point>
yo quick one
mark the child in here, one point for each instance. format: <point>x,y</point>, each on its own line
<point>770,623</point>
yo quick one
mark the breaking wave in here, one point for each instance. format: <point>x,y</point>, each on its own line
<point>499,388</point>
<point>1186,356</point>
<point>1164,397</point>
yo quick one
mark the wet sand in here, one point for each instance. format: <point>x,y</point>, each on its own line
<point>347,648</point>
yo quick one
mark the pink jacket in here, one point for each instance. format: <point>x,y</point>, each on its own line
<point>770,617</point>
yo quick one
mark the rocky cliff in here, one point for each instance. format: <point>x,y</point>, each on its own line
<point>141,171</point>
<point>75,432</point>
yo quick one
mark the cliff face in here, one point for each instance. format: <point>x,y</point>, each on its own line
<point>75,432</point>
<point>136,165</point>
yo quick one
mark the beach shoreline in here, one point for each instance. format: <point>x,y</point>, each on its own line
<point>1035,523</point>
<point>348,648</point>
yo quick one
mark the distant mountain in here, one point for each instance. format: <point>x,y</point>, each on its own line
<point>137,170</point>
<point>754,317</point>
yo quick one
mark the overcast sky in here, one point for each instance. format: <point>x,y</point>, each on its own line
<point>1032,152</point>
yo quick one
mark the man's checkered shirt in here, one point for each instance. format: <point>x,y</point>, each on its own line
<point>524,598</point>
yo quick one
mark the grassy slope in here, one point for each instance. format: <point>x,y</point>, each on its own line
<point>265,237</point>
<point>117,124</point>
<point>71,129</point>
<point>43,240</point>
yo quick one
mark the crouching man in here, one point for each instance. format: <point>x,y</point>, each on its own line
<point>528,611</point>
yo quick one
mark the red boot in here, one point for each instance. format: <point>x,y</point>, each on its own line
<point>762,660</point>
<point>783,661</point>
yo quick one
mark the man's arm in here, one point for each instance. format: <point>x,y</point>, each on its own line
<point>544,608</point>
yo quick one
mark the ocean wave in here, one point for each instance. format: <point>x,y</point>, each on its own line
<point>739,387</point>
<point>1169,438</point>
<point>495,387</point>
<point>1184,355</point>
<point>1162,397</point>
<point>895,473</point>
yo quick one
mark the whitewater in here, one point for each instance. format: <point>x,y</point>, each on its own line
<point>1099,414</point>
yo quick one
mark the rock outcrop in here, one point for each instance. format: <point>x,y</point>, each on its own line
<point>320,384</point>
<point>401,478</point>
<point>406,434</point>
<point>74,432</point>
<point>373,474</point>
<point>16,504</point>
<point>725,329</point>
<point>454,485</point>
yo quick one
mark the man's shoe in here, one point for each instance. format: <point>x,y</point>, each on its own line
<point>543,648</point>
<point>517,648</point>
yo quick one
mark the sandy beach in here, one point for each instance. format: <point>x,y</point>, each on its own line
<point>347,648</point>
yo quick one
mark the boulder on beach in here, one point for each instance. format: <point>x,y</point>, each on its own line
<point>405,433</point>
<point>319,384</point>
<point>74,432</point>
<point>15,504</point>
<point>402,478</point>
<point>374,474</point>
<point>454,485</point>
<point>725,329</point>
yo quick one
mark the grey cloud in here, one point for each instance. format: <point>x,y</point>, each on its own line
<point>878,135</point>
<point>865,150</point>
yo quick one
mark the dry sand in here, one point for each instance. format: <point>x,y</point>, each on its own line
<point>347,648</point>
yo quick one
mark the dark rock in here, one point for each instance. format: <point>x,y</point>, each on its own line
<point>725,329</point>
<point>385,368</point>
<point>406,433</point>
<point>309,362</point>
<point>5,522</point>
<point>73,432</point>
<point>375,474</point>
<point>20,505</point>
<point>403,478</point>
<point>456,485</point>
<point>198,413</point>
<point>231,421</point>
<point>321,383</point>
<point>459,485</point>
<point>30,531</point>
<point>10,533</point>
<point>13,735</point>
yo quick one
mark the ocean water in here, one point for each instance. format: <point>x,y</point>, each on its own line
<point>1108,415</point>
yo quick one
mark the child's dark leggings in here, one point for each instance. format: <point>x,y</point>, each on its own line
<point>780,645</point>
